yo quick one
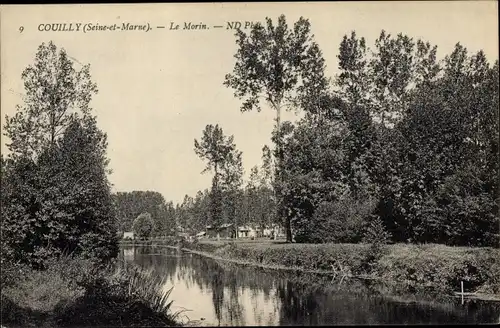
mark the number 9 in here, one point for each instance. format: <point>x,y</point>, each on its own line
<point>21,29</point>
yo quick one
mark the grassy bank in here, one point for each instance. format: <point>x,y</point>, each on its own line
<point>413,267</point>
<point>422,268</point>
<point>75,292</point>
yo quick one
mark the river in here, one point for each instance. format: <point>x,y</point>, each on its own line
<point>218,293</point>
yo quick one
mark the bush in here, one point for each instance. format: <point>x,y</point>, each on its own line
<point>439,267</point>
<point>143,225</point>
<point>127,296</point>
<point>11,273</point>
<point>102,247</point>
<point>74,291</point>
<point>340,221</point>
<point>375,232</point>
<point>432,267</point>
<point>36,293</point>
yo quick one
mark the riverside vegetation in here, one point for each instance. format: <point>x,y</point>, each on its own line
<point>73,291</point>
<point>399,150</point>
<point>59,231</point>
<point>429,268</point>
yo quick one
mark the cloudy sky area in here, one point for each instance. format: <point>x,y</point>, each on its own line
<point>158,90</point>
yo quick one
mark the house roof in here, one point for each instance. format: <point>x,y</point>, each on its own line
<point>223,226</point>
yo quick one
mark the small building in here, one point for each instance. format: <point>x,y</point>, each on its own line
<point>246,232</point>
<point>128,235</point>
<point>267,232</point>
<point>201,234</point>
<point>224,231</point>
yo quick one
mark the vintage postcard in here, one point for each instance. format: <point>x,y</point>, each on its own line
<point>246,164</point>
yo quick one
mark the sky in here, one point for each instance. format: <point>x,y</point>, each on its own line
<point>159,89</point>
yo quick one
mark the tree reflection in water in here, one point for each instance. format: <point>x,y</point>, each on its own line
<point>228,294</point>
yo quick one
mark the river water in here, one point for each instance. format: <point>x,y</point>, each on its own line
<point>217,293</point>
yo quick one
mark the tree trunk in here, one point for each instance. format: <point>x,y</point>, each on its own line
<point>279,193</point>
<point>233,209</point>
<point>288,230</point>
<point>52,128</point>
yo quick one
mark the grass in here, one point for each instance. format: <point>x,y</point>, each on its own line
<point>427,268</point>
<point>75,292</point>
<point>414,268</point>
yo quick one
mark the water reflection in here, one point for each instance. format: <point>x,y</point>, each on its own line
<point>225,294</point>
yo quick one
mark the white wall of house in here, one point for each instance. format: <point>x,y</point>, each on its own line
<point>267,232</point>
<point>246,232</point>
<point>129,234</point>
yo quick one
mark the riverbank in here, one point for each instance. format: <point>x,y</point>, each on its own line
<point>413,268</point>
<point>76,292</point>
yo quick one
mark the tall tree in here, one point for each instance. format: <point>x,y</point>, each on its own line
<point>267,166</point>
<point>219,152</point>
<point>67,200</point>
<point>201,209</point>
<point>285,67</point>
<point>57,172</point>
<point>55,94</point>
<point>232,175</point>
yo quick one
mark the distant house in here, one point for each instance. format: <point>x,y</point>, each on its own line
<point>246,232</point>
<point>201,234</point>
<point>128,235</point>
<point>271,231</point>
<point>267,232</point>
<point>224,231</point>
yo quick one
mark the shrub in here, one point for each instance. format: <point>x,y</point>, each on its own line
<point>439,267</point>
<point>11,273</point>
<point>73,291</point>
<point>126,296</point>
<point>100,246</point>
<point>143,225</point>
<point>375,231</point>
<point>340,221</point>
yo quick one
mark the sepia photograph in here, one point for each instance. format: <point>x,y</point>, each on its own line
<point>249,164</point>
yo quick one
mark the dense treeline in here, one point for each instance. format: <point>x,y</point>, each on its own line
<point>413,143</point>
<point>129,205</point>
<point>250,205</point>
<point>228,200</point>
<point>398,145</point>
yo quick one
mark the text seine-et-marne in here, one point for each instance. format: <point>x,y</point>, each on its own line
<point>76,27</point>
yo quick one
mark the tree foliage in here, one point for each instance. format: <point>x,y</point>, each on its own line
<point>284,66</point>
<point>143,225</point>
<point>55,191</point>
<point>131,204</point>
<point>55,95</point>
<point>414,143</point>
<point>222,157</point>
